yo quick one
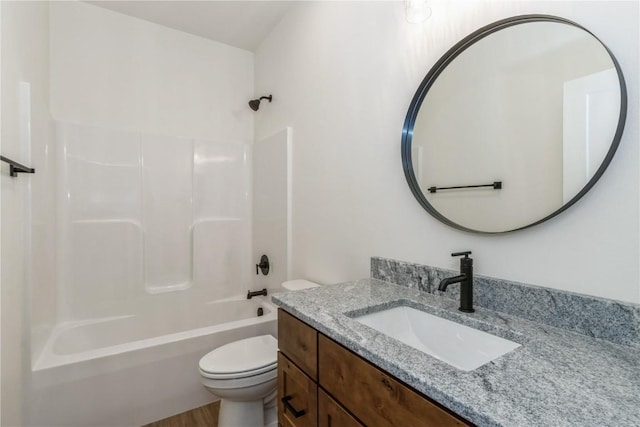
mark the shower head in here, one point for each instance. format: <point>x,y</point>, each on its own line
<point>254,104</point>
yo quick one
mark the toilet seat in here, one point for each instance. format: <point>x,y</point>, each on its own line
<point>241,359</point>
<point>245,374</point>
<point>239,382</point>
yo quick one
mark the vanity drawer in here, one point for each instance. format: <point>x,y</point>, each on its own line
<point>331,414</point>
<point>297,396</point>
<point>299,342</point>
<point>374,397</point>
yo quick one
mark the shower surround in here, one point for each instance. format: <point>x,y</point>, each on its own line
<point>141,215</point>
<point>145,242</point>
<point>153,260</point>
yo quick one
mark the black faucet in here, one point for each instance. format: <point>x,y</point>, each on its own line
<point>256,293</point>
<point>263,266</point>
<point>466,282</point>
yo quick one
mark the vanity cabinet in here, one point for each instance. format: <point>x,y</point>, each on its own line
<point>325,384</point>
<point>297,372</point>
<point>332,414</point>
<point>300,392</point>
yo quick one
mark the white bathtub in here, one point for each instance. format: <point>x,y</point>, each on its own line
<point>133,370</point>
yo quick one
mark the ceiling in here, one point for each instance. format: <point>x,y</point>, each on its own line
<point>238,23</point>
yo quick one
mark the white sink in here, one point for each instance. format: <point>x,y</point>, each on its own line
<point>458,345</point>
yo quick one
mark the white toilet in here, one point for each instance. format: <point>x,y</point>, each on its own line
<point>244,375</point>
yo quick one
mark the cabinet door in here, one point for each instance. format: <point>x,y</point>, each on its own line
<point>297,396</point>
<point>299,342</point>
<point>331,414</point>
<point>376,398</point>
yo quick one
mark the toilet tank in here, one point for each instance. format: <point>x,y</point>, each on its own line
<point>298,284</point>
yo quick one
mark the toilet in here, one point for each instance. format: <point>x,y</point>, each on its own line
<point>244,375</point>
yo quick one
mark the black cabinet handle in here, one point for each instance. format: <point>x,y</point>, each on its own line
<point>289,406</point>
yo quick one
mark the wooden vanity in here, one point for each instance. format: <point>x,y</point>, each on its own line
<point>321,383</point>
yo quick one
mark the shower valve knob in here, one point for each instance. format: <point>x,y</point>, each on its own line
<point>263,266</point>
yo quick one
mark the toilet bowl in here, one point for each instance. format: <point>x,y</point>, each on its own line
<point>243,374</point>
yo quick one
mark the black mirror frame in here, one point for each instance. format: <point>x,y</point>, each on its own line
<point>436,70</point>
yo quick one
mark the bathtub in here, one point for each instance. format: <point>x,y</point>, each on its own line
<point>135,369</point>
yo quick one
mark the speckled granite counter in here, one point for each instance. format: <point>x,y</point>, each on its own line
<point>556,378</point>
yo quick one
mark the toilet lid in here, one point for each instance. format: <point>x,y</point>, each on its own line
<point>244,356</point>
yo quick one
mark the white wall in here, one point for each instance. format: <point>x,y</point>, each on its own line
<point>24,60</point>
<point>343,75</point>
<point>112,70</point>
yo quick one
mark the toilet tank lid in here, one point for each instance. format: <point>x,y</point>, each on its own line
<point>299,284</point>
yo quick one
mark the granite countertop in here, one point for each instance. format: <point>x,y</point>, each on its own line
<point>556,378</point>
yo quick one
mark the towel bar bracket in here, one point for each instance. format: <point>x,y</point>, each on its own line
<point>15,168</point>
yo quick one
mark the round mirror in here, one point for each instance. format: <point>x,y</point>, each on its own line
<point>513,124</point>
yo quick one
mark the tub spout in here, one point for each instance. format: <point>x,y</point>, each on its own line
<point>256,293</point>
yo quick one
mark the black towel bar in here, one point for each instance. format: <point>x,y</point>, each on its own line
<point>497,185</point>
<point>15,168</point>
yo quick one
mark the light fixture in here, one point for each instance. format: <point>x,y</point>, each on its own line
<point>417,11</point>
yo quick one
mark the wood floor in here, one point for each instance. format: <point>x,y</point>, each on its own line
<point>204,416</point>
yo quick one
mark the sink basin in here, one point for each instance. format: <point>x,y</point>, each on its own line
<point>458,345</point>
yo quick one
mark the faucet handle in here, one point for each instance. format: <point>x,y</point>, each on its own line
<point>465,254</point>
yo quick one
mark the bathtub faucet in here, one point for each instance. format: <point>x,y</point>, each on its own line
<point>256,293</point>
